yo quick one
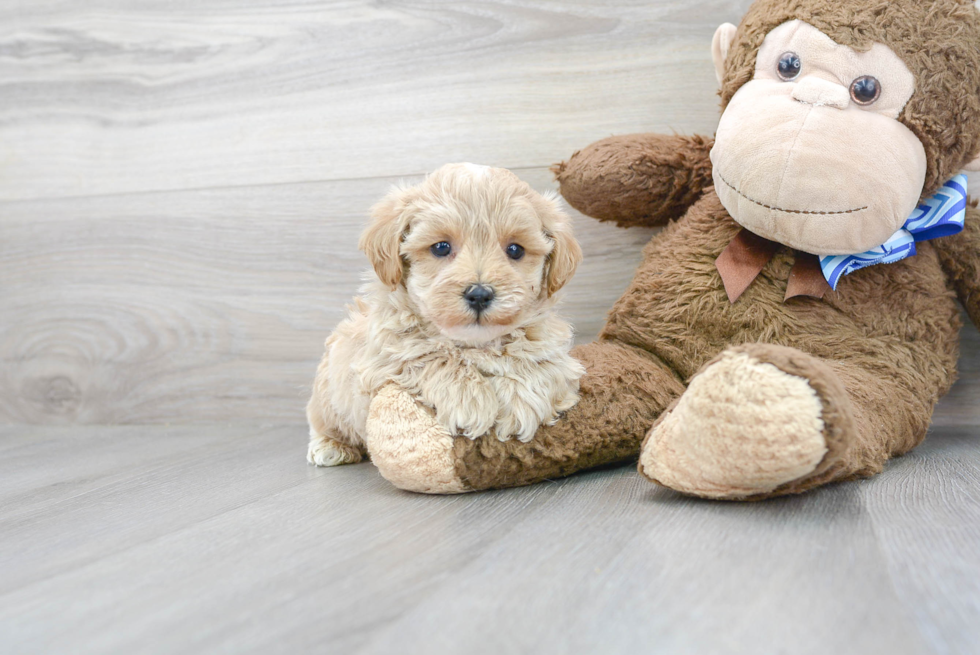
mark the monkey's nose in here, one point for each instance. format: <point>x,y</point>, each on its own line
<point>821,93</point>
<point>478,296</point>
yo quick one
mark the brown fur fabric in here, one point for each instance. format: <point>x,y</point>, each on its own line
<point>958,255</point>
<point>889,332</point>
<point>637,179</point>
<point>938,40</point>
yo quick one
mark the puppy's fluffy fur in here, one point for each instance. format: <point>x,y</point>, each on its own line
<point>505,368</point>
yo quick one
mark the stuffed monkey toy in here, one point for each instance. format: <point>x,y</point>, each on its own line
<point>795,322</point>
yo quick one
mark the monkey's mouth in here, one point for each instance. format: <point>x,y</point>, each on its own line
<point>788,211</point>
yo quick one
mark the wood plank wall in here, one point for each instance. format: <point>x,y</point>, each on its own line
<point>182,183</point>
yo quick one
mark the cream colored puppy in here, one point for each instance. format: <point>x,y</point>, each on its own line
<point>460,313</point>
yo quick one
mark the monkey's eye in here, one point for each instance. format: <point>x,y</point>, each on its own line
<point>865,90</point>
<point>789,66</point>
<point>515,251</point>
<point>441,249</point>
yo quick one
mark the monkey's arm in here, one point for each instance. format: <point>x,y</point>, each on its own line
<point>960,257</point>
<point>637,179</point>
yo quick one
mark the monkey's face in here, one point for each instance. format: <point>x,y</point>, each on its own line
<point>810,152</point>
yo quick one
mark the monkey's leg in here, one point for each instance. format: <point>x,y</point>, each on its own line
<point>763,420</point>
<point>624,389</point>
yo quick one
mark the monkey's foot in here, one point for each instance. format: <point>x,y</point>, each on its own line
<point>759,420</point>
<point>411,450</point>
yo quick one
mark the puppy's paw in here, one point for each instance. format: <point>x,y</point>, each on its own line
<point>472,414</point>
<point>518,421</point>
<point>324,451</point>
<point>525,408</point>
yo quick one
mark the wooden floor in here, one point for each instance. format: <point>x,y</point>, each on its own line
<point>182,183</point>
<point>200,540</point>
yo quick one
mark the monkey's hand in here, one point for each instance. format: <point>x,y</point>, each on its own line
<point>960,257</point>
<point>637,179</point>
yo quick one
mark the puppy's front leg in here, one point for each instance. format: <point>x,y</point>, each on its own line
<point>329,443</point>
<point>538,398</point>
<point>461,396</point>
<point>326,450</point>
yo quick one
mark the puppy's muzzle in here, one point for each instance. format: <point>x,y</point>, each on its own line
<point>478,297</point>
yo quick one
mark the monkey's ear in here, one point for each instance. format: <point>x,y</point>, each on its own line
<point>382,239</point>
<point>973,166</point>
<point>720,46</point>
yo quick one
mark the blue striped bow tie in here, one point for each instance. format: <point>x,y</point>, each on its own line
<point>940,216</point>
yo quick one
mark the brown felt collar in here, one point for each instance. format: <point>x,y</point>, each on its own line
<point>745,257</point>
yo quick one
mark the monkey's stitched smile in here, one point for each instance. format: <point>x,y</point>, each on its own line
<point>788,211</point>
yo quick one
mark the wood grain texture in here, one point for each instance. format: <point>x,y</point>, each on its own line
<point>222,539</point>
<point>164,259</point>
<point>117,97</point>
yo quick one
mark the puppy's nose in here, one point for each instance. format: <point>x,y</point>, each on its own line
<point>478,296</point>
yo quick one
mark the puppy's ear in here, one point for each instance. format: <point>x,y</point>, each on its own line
<point>382,239</point>
<point>567,254</point>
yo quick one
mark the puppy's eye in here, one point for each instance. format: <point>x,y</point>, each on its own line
<point>865,90</point>
<point>515,251</point>
<point>441,249</point>
<point>789,66</point>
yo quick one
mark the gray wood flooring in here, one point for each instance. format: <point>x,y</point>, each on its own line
<point>182,184</point>
<point>160,539</point>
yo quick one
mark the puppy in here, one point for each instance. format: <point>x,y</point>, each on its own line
<point>459,313</point>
